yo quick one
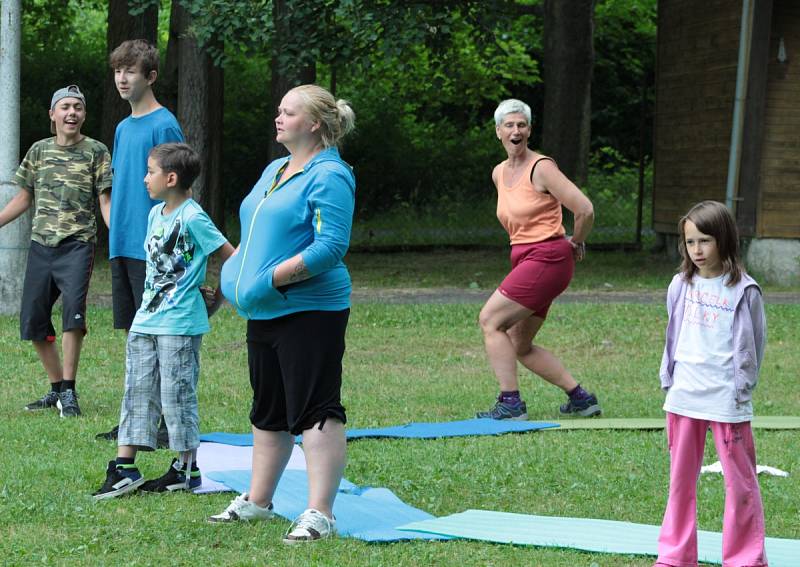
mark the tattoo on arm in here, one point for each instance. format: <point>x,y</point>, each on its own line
<point>299,273</point>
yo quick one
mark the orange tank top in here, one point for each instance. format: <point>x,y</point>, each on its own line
<point>527,215</point>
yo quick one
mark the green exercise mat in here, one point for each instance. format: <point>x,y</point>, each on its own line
<point>603,536</point>
<point>759,422</point>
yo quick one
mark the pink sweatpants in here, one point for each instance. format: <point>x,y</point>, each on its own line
<point>743,522</point>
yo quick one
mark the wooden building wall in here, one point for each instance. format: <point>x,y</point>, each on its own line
<point>779,206</point>
<point>697,54</point>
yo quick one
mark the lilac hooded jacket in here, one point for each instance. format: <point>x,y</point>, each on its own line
<point>749,334</point>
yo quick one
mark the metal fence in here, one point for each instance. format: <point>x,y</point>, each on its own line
<point>623,216</point>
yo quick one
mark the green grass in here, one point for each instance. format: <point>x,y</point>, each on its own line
<point>404,362</point>
<point>483,269</point>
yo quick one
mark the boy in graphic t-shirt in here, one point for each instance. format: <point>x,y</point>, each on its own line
<point>162,366</point>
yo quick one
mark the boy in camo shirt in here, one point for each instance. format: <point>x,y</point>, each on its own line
<point>62,177</point>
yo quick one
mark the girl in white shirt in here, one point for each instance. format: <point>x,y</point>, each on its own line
<point>714,347</point>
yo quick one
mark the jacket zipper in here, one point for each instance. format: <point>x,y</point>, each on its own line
<point>272,189</point>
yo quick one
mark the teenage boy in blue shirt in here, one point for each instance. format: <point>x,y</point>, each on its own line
<point>135,64</point>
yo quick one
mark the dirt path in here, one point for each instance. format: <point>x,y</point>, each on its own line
<point>458,295</point>
<point>448,295</point>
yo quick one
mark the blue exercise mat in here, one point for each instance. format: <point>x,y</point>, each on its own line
<point>236,439</point>
<point>414,430</point>
<point>605,536</point>
<point>369,514</point>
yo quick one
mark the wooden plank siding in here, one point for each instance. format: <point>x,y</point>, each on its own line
<point>697,50</point>
<point>779,207</point>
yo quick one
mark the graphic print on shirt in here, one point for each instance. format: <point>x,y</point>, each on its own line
<point>704,385</point>
<point>168,255</point>
<point>702,308</point>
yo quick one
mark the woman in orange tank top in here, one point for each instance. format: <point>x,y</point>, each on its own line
<point>530,192</point>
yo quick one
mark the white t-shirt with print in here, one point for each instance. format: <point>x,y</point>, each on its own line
<point>703,384</point>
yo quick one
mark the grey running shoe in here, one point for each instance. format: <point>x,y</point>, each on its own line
<point>68,404</point>
<point>587,407</point>
<point>505,410</point>
<point>49,400</point>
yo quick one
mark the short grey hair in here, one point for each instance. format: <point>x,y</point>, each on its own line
<point>511,106</point>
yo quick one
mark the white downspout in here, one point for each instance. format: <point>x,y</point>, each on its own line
<point>742,67</point>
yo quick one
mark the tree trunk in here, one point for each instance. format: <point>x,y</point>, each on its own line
<point>168,77</point>
<point>568,63</point>
<point>200,113</point>
<point>121,27</point>
<point>280,80</point>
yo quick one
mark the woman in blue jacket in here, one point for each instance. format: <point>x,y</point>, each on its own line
<point>288,280</point>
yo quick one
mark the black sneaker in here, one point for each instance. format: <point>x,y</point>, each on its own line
<point>174,479</point>
<point>587,407</point>
<point>49,400</point>
<point>68,404</point>
<point>505,410</point>
<point>119,481</point>
<point>109,435</point>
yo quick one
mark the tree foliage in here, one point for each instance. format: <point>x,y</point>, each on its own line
<point>423,76</point>
<point>352,33</point>
<point>54,55</point>
<point>625,36</point>
<point>446,63</point>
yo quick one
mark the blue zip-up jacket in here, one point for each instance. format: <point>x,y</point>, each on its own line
<point>310,213</point>
<point>749,334</point>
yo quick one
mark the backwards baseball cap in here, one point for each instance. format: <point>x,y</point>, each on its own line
<point>72,91</point>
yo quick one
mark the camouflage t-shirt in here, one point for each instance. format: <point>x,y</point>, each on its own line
<point>65,182</point>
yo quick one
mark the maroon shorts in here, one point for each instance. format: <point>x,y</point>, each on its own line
<point>539,273</point>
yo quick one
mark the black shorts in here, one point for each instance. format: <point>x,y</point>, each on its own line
<point>127,287</point>
<point>53,271</point>
<point>296,370</point>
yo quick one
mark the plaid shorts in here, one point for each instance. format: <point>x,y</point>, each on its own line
<point>161,373</point>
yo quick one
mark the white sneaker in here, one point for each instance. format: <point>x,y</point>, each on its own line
<point>242,510</point>
<point>311,525</point>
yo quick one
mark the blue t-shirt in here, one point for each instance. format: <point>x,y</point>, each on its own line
<point>130,203</point>
<point>177,248</point>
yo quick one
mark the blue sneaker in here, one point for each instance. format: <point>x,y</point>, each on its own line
<point>506,410</point>
<point>587,407</point>
<point>119,481</point>
<point>174,479</point>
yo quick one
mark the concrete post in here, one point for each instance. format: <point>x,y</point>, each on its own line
<point>15,237</point>
<point>774,260</point>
